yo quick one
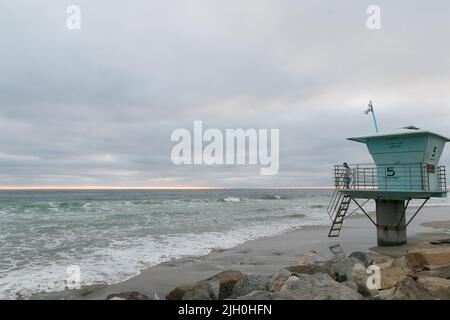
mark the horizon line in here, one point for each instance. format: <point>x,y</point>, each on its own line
<point>153,188</point>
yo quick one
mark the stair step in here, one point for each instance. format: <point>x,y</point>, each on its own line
<point>341,204</point>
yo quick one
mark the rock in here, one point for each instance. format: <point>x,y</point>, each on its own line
<point>361,256</point>
<point>413,260</point>
<point>359,277</point>
<point>224,282</point>
<point>219,286</point>
<point>401,262</point>
<point>436,255</point>
<point>308,269</point>
<point>379,260</point>
<point>343,267</point>
<point>265,295</point>
<point>309,257</point>
<point>391,276</point>
<point>319,286</point>
<point>439,287</point>
<point>130,295</point>
<point>384,294</point>
<point>330,266</point>
<point>372,258</point>
<point>250,283</point>
<point>441,272</point>
<point>416,260</point>
<point>198,291</point>
<point>278,279</point>
<point>408,289</point>
<point>444,241</point>
<point>385,265</point>
<point>351,284</point>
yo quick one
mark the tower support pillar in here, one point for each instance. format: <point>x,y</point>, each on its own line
<point>391,222</point>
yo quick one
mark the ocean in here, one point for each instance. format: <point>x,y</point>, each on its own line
<point>112,235</point>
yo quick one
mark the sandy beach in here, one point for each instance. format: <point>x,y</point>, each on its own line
<point>266,255</point>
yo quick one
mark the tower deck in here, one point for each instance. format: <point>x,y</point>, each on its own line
<point>392,195</point>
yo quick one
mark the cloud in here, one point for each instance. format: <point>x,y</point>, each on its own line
<point>97,106</point>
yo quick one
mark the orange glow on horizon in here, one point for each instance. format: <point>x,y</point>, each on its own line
<point>107,187</point>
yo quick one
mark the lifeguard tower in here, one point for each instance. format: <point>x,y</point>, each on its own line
<point>406,167</point>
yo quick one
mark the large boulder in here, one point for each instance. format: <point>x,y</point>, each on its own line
<point>198,291</point>
<point>409,289</point>
<point>330,266</point>
<point>224,282</point>
<point>441,272</point>
<point>129,295</point>
<point>277,280</point>
<point>391,276</point>
<point>361,256</point>
<point>413,260</point>
<point>265,295</point>
<point>344,267</point>
<point>249,283</point>
<point>436,254</point>
<point>308,269</point>
<point>358,277</point>
<point>319,286</point>
<point>372,258</point>
<point>416,260</point>
<point>384,294</point>
<point>401,262</point>
<point>380,260</point>
<point>439,287</point>
<point>351,284</point>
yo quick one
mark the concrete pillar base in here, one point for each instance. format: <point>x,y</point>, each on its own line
<point>389,214</point>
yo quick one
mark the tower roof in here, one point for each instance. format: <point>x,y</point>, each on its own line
<point>409,131</point>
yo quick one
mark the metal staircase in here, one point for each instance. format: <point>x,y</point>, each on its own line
<point>337,209</point>
<point>337,251</point>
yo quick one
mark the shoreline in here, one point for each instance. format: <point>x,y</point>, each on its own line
<point>264,255</point>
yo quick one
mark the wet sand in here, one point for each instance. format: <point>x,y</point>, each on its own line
<point>267,255</point>
<point>444,224</point>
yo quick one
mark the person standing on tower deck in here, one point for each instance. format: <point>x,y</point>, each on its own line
<point>346,175</point>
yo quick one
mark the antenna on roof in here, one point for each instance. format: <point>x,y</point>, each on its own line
<point>370,109</point>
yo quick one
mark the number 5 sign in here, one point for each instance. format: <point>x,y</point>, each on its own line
<point>390,172</point>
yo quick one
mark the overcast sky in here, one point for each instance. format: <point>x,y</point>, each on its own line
<point>97,106</point>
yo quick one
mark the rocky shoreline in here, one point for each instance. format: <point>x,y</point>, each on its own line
<point>421,274</point>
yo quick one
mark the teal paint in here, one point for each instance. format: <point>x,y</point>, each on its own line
<point>393,195</point>
<point>406,167</point>
<point>406,160</point>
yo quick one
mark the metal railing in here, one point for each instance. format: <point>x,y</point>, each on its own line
<point>419,177</point>
<point>442,180</point>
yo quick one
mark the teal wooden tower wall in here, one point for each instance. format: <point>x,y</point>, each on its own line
<point>406,161</point>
